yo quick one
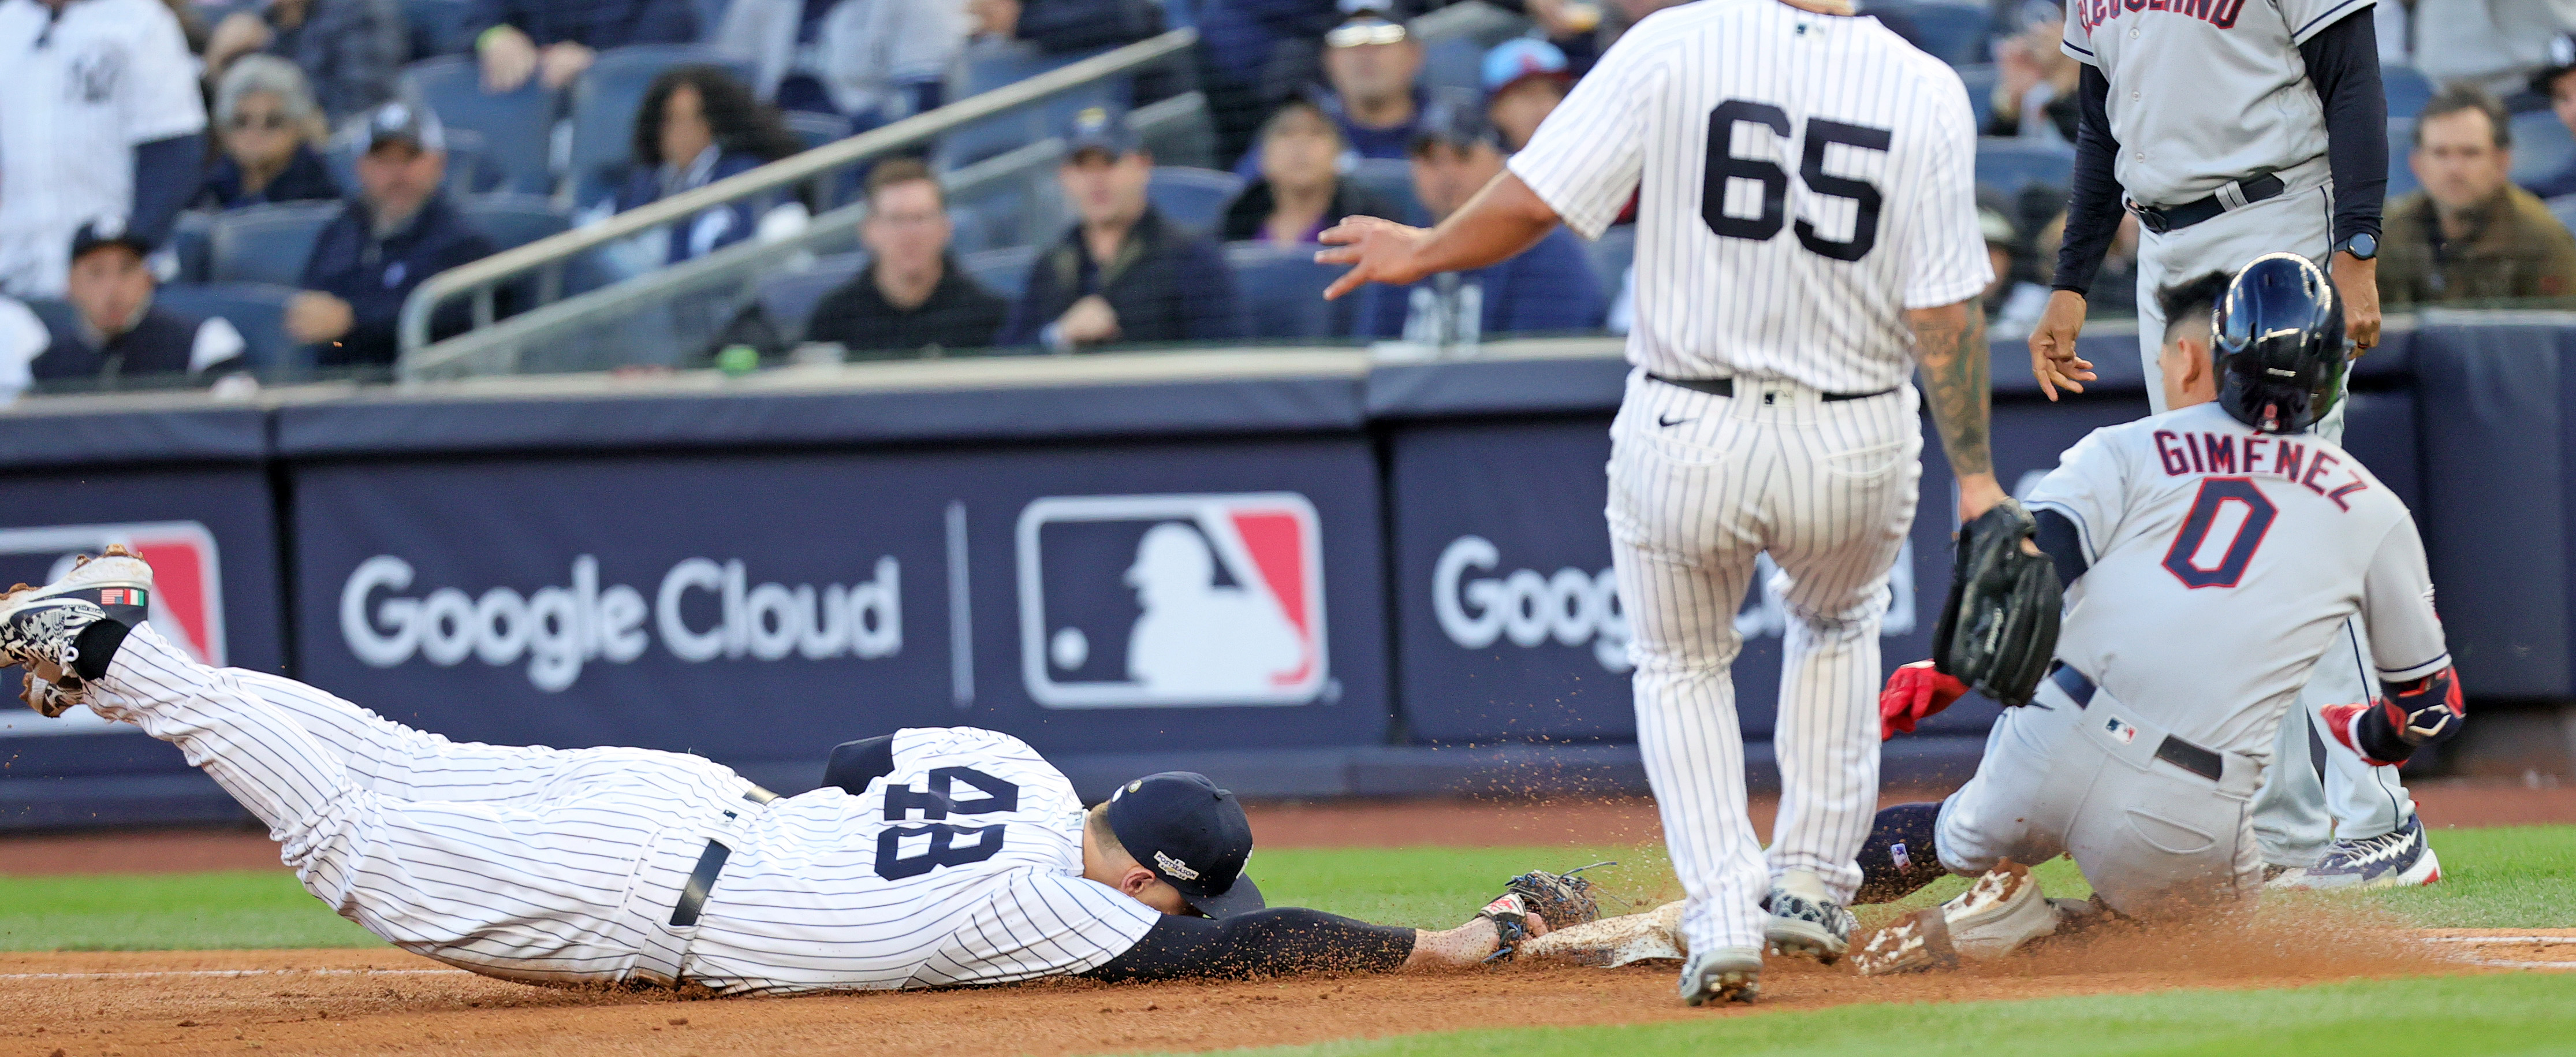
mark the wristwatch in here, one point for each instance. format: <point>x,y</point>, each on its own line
<point>2361,245</point>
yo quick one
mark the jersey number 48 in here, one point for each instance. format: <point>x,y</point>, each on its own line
<point>1725,165</point>
<point>943,847</point>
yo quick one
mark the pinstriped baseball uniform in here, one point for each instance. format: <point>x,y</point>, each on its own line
<point>962,866</point>
<point>1803,179</point>
<point>2166,65</point>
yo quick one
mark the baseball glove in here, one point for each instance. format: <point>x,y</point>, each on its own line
<point>1998,628</point>
<point>1560,899</point>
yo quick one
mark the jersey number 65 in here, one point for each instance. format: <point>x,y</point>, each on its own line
<point>1724,164</point>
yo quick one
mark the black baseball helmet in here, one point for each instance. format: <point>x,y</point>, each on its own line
<point>2279,343</point>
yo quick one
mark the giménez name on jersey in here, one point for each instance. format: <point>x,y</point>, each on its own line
<point>558,629</point>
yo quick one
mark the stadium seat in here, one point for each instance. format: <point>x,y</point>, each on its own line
<point>512,221</point>
<point>1391,179</point>
<point>988,65</point>
<point>1193,198</point>
<point>2541,145</point>
<point>606,96</point>
<point>1610,255</point>
<point>1980,80</point>
<point>191,248</point>
<point>1281,291</point>
<point>265,244</point>
<point>257,310</point>
<point>2009,165</point>
<point>971,228</point>
<point>816,129</point>
<point>1002,271</point>
<point>788,298</point>
<point>517,127</point>
<point>1953,33</point>
<point>1457,63</point>
<point>2401,142</point>
<point>437,27</point>
<point>2408,90</point>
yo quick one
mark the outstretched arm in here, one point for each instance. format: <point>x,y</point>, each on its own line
<point>1295,940</point>
<point>1950,346</point>
<point>1503,219</point>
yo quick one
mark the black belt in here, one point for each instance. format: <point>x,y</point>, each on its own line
<point>2175,218</point>
<point>1726,387</point>
<point>2174,750</point>
<point>693,896</point>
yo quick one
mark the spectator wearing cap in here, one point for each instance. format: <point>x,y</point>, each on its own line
<point>1524,80</point>
<point>350,49</point>
<point>555,40</point>
<point>697,124</point>
<point>1301,191</point>
<point>1123,273</point>
<point>117,333</point>
<point>911,296</point>
<point>2470,235</point>
<point>1548,288</point>
<point>2553,83</point>
<point>2035,81</point>
<point>267,124</point>
<point>399,231</point>
<point>873,61</point>
<point>1255,54</point>
<point>1373,65</point>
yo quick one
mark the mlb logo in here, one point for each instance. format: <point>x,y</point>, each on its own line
<point>2121,730</point>
<point>1168,601</point>
<point>188,605</point>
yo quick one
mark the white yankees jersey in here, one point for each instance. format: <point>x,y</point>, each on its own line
<point>961,866</point>
<point>2222,564</point>
<point>83,88</point>
<point>1802,179</point>
<point>2175,66</point>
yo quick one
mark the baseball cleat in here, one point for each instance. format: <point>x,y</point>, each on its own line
<point>117,581</point>
<point>1993,918</point>
<point>37,632</point>
<point>1725,974</point>
<point>1799,925</point>
<point>2396,859</point>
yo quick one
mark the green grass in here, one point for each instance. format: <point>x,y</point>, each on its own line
<point>2495,878</point>
<point>2532,1013</point>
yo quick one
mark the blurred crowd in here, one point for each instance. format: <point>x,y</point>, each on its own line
<point>195,191</point>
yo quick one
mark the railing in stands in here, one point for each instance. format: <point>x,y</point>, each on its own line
<point>493,346</point>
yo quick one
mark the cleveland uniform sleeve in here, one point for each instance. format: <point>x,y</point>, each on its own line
<point>2307,18</point>
<point>2090,486</point>
<point>1585,159</point>
<point>1945,250</point>
<point>160,98</point>
<point>2079,40</point>
<point>2397,605</point>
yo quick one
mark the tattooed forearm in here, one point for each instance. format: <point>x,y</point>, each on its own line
<point>1950,344</point>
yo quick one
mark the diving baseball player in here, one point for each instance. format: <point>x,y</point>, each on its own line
<point>2213,553</point>
<point>1807,237</point>
<point>940,857</point>
<point>2234,129</point>
<point>100,119</point>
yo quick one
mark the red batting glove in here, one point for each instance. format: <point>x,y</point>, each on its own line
<point>1915,693</point>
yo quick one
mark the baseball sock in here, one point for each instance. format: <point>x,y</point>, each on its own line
<point>1898,857</point>
<point>97,644</point>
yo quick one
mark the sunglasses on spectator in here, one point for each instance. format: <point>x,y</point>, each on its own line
<point>1354,34</point>
<point>268,122</point>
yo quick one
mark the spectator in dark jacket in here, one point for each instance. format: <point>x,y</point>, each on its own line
<point>1301,191</point>
<point>554,40</point>
<point>350,49</point>
<point>398,232</point>
<point>1549,287</point>
<point>1374,66</point>
<point>697,125</point>
<point>2554,83</point>
<point>117,333</point>
<point>1252,55</point>
<point>1123,273</point>
<point>267,124</point>
<point>911,296</point>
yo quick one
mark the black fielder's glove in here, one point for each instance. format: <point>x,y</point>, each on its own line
<point>1560,899</point>
<point>1998,628</point>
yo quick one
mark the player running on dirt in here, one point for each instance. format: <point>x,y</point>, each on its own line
<point>2212,554</point>
<point>942,857</point>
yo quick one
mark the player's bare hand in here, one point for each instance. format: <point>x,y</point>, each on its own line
<point>1978,493</point>
<point>2052,345</point>
<point>1380,251</point>
<point>2358,281</point>
<point>509,59</point>
<point>563,62</point>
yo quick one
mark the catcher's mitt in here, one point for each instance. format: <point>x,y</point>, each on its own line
<point>1561,900</point>
<point>1998,629</point>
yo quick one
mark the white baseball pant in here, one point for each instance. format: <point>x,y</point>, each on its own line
<point>1699,486</point>
<point>541,865</point>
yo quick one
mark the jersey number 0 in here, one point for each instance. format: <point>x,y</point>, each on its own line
<point>1724,164</point>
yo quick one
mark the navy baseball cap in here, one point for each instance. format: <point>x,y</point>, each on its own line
<point>108,231</point>
<point>2562,58</point>
<point>1457,122</point>
<point>400,122</point>
<point>1102,129</point>
<point>1193,835</point>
